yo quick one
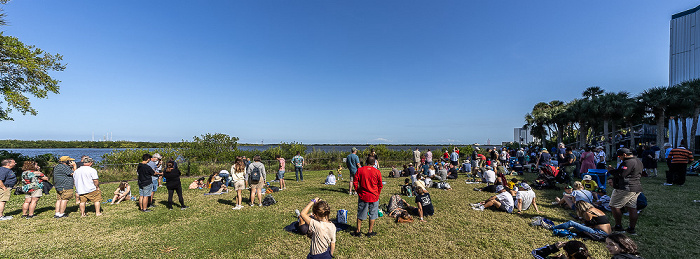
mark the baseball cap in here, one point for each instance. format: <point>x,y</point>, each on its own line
<point>623,151</point>
<point>587,177</point>
<point>66,158</point>
<point>88,160</point>
<point>499,188</point>
<point>525,186</point>
<point>354,149</point>
<point>156,155</point>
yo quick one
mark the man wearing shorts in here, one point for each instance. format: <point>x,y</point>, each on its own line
<point>87,186</point>
<point>8,179</point>
<point>353,163</point>
<point>255,187</point>
<point>63,182</point>
<point>280,173</point>
<point>145,173</point>
<point>627,186</point>
<point>368,183</point>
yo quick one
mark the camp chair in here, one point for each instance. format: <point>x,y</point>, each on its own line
<point>599,175</point>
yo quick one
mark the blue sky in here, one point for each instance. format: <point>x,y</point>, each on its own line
<point>433,72</point>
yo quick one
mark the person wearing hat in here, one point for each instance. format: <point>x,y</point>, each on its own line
<point>63,182</point>
<point>627,186</point>
<point>524,198</point>
<point>503,200</point>
<point>353,163</point>
<point>87,185</point>
<point>589,184</point>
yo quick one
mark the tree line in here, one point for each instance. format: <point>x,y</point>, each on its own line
<point>13,143</point>
<point>597,114</point>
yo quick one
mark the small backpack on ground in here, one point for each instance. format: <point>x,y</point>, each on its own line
<point>268,200</point>
<point>255,175</point>
<point>342,217</point>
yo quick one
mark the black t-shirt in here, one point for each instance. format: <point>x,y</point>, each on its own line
<point>144,174</point>
<point>567,158</point>
<point>172,178</point>
<point>453,172</point>
<point>426,202</point>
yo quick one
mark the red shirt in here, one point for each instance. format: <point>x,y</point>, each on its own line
<point>480,156</point>
<point>368,183</point>
<point>446,155</point>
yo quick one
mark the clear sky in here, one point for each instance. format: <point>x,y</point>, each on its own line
<point>433,72</point>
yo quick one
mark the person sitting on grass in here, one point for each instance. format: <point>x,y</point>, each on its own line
<point>197,184</point>
<point>574,250</point>
<point>419,182</point>
<point>603,202</point>
<point>512,183</point>
<point>488,175</point>
<point>572,195</point>
<point>621,247</point>
<point>441,173</point>
<point>590,185</point>
<point>452,173</point>
<point>394,173</point>
<point>330,179</point>
<point>524,198</point>
<point>123,192</point>
<point>425,204</point>
<point>503,201</point>
<point>217,184</point>
<point>406,188</point>
<point>320,229</point>
<point>595,220</point>
<point>400,209</point>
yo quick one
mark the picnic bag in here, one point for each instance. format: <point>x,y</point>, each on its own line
<point>342,216</point>
<point>268,200</point>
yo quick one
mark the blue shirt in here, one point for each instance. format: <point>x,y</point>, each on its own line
<point>8,177</point>
<point>352,160</point>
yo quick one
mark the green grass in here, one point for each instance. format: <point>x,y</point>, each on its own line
<point>210,229</point>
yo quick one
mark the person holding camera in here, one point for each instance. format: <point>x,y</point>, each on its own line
<point>63,182</point>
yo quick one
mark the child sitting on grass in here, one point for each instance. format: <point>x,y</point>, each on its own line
<point>322,231</point>
<point>330,180</point>
<point>603,202</point>
<point>406,188</point>
<point>122,192</point>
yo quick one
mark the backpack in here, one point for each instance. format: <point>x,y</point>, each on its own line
<point>255,175</point>
<point>342,217</point>
<point>268,200</point>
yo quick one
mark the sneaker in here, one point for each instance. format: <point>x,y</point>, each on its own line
<point>259,204</point>
<point>371,234</point>
<point>23,216</point>
<point>30,216</point>
<point>250,204</point>
<point>297,213</point>
<point>618,228</point>
<point>5,217</point>
<point>64,215</point>
<point>555,203</point>
<point>631,231</point>
<point>151,206</point>
<point>668,184</point>
<point>146,210</point>
<point>237,208</point>
<point>355,234</point>
<point>184,207</point>
<point>57,216</point>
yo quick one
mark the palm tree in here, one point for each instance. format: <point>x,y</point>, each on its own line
<point>656,101</point>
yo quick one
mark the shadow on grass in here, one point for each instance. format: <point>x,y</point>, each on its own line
<point>341,190</point>
<point>227,202</point>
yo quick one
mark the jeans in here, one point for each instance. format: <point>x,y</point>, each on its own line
<point>227,178</point>
<point>298,172</point>
<point>579,227</point>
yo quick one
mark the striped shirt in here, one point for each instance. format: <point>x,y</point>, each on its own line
<point>680,156</point>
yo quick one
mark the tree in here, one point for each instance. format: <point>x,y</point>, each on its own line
<point>210,147</point>
<point>656,102</point>
<point>24,71</point>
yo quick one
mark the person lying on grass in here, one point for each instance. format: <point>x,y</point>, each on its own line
<point>596,222</point>
<point>122,192</point>
<point>503,200</point>
<point>425,204</point>
<point>400,209</point>
<point>574,250</point>
<point>621,247</point>
<point>524,198</point>
<point>572,195</point>
<point>321,230</point>
<point>197,184</point>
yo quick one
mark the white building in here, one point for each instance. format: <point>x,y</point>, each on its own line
<point>684,56</point>
<point>522,136</point>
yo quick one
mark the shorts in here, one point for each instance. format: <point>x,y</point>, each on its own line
<point>505,208</point>
<point>454,163</point>
<point>146,191</point>
<point>258,185</point>
<point>34,194</point>
<point>239,185</point>
<point>280,175</point>
<point>94,196</point>
<point>622,198</point>
<point>64,195</point>
<point>5,195</point>
<point>154,183</point>
<point>363,207</point>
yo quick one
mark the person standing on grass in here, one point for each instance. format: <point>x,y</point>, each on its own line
<point>280,172</point>
<point>255,173</point>
<point>145,173</point>
<point>172,182</point>
<point>416,156</point>
<point>63,182</point>
<point>353,163</point>
<point>627,187</point>
<point>454,157</point>
<point>679,157</point>
<point>87,186</point>
<point>239,181</point>
<point>368,183</point>
<point>33,186</point>
<point>298,162</point>
<point>155,164</point>
<point>429,157</point>
<point>321,230</point>
<point>8,179</point>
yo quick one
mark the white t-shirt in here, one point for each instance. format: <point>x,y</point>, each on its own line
<point>526,197</point>
<point>582,195</point>
<point>323,234</point>
<point>83,177</point>
<point>490,176</point>
<point>330,180</point>
<point>507,200</point>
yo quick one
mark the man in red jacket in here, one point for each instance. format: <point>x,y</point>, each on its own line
<point>368,184</point>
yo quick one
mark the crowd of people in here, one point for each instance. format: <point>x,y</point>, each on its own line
<point>588,200</point>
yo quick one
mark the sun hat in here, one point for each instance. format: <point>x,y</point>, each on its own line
<point>66,158</point>
<point>525,186</point>
<point>499,188</point>
<point>587,177</point>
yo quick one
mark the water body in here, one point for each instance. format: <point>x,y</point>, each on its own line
<point>97,153</point>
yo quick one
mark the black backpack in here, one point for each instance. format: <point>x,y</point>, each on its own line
<point>268,200</point>
<point>255,175</point>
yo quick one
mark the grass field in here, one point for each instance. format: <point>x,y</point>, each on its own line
<point>210,229</point>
